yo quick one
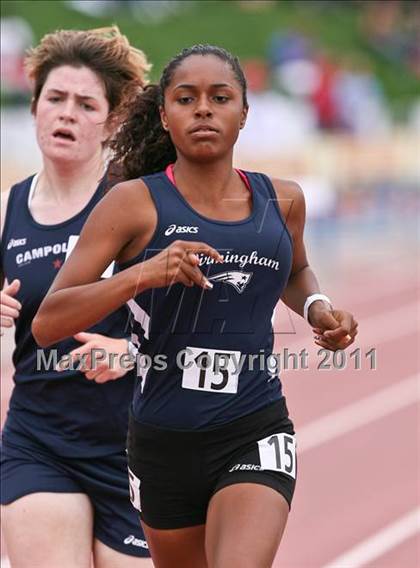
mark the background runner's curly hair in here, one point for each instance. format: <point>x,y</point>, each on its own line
<point>142,146</point>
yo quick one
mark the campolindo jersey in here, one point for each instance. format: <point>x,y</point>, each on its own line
<point>63,411</point>
<point>204,353</point>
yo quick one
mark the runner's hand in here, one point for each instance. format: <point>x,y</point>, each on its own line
<point>100,358</point>
<point>334,329</point>
<point>9,306</point>
<point>178,263</point>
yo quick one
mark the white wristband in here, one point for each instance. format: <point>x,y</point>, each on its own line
<point>311,299</point>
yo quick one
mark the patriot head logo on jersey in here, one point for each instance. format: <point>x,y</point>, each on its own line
<point>239,280</point>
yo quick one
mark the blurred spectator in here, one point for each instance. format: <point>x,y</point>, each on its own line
<point>302,72</point>
<point>256,5</point>
<point>298,77</point>
<point>343,96</point>
<point>359,100</point>
<point>414,117</point>
<point>257,75</point>
<point>275,122</point>
<point>322,96</point>
<point>95,8</point>
<point>145,11</point>
<point>380,24</point>
<point>154,11</point>
<point>392,28</point>
<point>16,37</point>
<point>320,196</point>
<point>288,46</point>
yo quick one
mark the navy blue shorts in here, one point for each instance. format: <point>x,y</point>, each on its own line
<point>103,479</point>
<point>174,474</point>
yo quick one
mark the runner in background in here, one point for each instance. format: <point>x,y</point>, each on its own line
<point>64,470</point>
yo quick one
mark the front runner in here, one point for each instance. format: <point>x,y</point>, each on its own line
<point>212,454</point>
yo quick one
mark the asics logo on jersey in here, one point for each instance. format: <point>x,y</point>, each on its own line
<point>16,243</point>
<point>239,280</point>
<point>180,229</point>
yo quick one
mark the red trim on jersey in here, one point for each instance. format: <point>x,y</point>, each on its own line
<point>170,173</point>
<point>243,177</point>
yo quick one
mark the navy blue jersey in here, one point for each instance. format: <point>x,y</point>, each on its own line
<point>205,354</point>
<point>64,411</point>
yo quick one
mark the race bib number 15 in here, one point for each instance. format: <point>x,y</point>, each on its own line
<point>278,453</point>
<point>210,370</point>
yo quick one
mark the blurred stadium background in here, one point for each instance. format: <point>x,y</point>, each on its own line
<point>335,105</point>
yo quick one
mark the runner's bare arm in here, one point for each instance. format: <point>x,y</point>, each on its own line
<point>302,280</point>
<point>334,329</point>
<point>78,298</point>
<point>119,227</point>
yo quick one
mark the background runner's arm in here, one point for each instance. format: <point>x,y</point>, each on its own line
<point>9,306</point>
<point>3,210</point>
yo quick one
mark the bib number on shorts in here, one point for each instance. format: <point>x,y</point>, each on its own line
<point>134,485</point>
<point>278,453</point>
<point>210,370</point>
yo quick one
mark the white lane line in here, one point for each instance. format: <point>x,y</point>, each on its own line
<point>358,414</point>
<point>379,543</point>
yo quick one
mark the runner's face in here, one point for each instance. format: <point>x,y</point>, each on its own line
<point>71,114</point>
<point>203,108</point>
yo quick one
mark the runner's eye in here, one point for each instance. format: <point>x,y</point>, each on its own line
<point>184,100</point>
<point>86,106</point>
<point>221,99</point>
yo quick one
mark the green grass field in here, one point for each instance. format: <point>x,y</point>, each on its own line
<point>334,27</point>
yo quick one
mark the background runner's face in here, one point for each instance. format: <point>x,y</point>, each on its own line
<point>70,116</point>
<point>203,108</point>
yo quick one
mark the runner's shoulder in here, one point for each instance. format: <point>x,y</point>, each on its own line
<point>131,191</point>
<point>288,189</point>
<point>291,200</point>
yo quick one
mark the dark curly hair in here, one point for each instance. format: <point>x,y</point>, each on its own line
<point>141,146</point>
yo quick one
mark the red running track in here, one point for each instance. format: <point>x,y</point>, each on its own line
<point>353,485</point>
<point>357,497</point>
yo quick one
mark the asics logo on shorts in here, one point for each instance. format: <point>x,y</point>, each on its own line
<point>245,467</point>
<point>180,229</point>
<point>131,539</point>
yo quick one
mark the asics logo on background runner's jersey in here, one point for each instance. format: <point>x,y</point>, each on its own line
<point>16,243</point>
<point>180,229</point>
